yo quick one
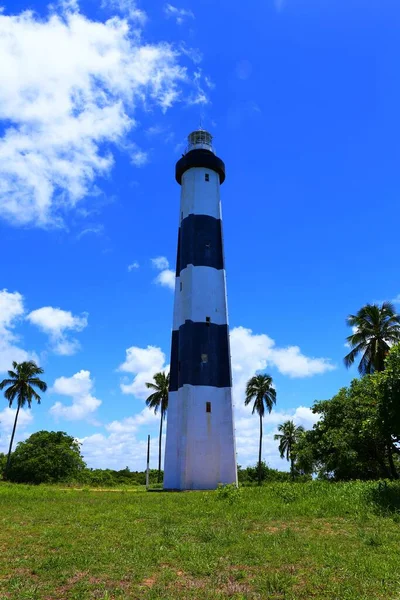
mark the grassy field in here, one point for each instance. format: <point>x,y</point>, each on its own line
<point>283,541</point>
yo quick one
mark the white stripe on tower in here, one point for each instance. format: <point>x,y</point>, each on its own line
<point>200,445</point>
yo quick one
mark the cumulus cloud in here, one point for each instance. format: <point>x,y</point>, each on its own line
<point>55,322</point>
<point>250,353</point>
<point>11,311</point>
<point>256,352</point>
<point>143,363</point>
<point>118,450</point>
<point>260,351</point>
<point>79,387</point>
<point>166,277</point>
<point>179,14</point>
<point>247,434</point>
<point>62,109</point>
<point>133,424</point>
<point>121,446</point>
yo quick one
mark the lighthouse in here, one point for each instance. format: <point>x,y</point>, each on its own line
<point>200,443</point>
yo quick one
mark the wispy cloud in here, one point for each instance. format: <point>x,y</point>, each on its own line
<point>179,14</point>
<point>140,158</point>
<point>127,8</point>
<point>133,266</point>
<point>94,230</point>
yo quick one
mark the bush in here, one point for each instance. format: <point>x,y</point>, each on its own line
<point>46,457</point>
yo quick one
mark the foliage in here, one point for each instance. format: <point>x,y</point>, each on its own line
<point>359,429</point>
<point>104,478</point>
<point>288,437</point>
<point>376,328</point>
<point>316,540</point>
<point>250,475</point>
<point>46,457</point>
<point>261,392</point>
<point>20,386</point>
<point>229,493</point>
<point>158,401</point>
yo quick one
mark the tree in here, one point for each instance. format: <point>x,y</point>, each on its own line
<point>20,387</point>
<point>388,406</point>
<point>260,389</point>
<point>46,457</point>
<point>375,329</point>
<point>158,401</point>
<point>351,440</point>
<point>288,438</point>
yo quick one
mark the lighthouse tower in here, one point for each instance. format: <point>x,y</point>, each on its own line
<point>200,445</point>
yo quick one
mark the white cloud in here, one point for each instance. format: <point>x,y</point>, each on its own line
<point>179,14</point>
<point>55,322</point>
<point>396,300</point>
<point>95,230</point>
<point>11,311</point>
<point>132,424</point>
<point>11,307</point>
<point>199,96</point>
<point>128,8</point>
<point>62,109</point>
<point>7,417</point>
<point>118,450</point>
<point>79,387</point>
<point>166,277</point>
<point>161,262</point>
<point>256,352</point>
<point>143,363</point>
<point>134,265</point>
<point>139,158</point>
<point>250,353</point>
<point>260,351</point>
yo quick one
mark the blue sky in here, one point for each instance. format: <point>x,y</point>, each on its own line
<point>96,102</point>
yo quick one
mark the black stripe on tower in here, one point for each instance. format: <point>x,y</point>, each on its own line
<point>200,158</point>
<point>173,370</point>
<point>200,356</point>
<point>200,243</point>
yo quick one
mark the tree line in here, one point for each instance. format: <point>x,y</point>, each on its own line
<point>357,435</point>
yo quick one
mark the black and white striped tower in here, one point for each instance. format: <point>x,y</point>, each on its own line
<point>200,444</point>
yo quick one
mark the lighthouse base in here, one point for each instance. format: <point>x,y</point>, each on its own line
<point>200,447</point>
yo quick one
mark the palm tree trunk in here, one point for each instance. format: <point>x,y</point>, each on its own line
<point>292,466</point>
<point>393,470</point>
<point>159,451</point>
<point>259,452</point>
<point>11,441</point>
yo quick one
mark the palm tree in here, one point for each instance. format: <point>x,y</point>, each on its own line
<point>288,438</point>
<point>159,401</point>
<point>19,388</point>
<point>260,389</point>
<point>375,329</point>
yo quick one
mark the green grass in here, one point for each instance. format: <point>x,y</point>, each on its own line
<point>283,541</point>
